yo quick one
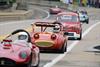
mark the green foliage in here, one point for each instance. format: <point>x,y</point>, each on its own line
<point>12,1</point>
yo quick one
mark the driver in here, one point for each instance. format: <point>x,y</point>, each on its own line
<point>23,39</point>
<point>23,36</point>
<point>56,28</point>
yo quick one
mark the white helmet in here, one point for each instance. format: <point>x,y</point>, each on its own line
<point>23,36</point>
<point>57,28</point>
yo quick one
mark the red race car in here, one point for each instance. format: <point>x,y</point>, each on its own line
<point>70,20</point>
<point>49,37</point>
<point>55,10</point>
<point>19,52</point>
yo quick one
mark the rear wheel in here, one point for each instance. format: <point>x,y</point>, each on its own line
<point>87,21</point>
<point>64,47</point>
<point>80,36</point>
<point>38,61</point>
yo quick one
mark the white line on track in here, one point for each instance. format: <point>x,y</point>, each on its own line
<point>59,57</point>
<point>48,14</point>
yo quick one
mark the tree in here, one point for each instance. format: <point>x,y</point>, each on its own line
<point>4,4</point>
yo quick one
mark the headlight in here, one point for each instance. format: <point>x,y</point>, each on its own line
<point>36,36</point>
<point>23,55</point>
<point>53,36</point>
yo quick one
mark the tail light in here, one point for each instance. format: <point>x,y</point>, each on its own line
<point>36,36</point>
<point>53,36</point>
<point>7,41</point>
<point>7,44</point>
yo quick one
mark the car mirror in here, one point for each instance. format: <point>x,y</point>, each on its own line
<point>64,28</point>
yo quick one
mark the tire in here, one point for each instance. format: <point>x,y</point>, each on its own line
<point>28,65</point>
<point>87,21</point>
<point>30,62</point>
<point>38,61</point>
<point>64,47</point>
<point>80,36</point>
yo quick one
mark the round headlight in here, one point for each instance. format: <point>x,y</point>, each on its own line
<point>53,36</point>
<point>36,36</point>
<point>23,55</point>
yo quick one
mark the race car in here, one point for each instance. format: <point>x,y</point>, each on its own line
<point>71,21</point>
<point>20,51</point>
<point>55,10</point>
<point>49,37</point>
<point>83,16</point>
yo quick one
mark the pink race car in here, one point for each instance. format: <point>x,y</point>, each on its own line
<point>20,52</point>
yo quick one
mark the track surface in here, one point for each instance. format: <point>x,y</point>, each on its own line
<point>79,55</point>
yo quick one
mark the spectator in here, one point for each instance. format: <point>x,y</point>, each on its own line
<point>84,2</point>
<point>89,3</point>
<point>71,1</point>
<point>97,3</point>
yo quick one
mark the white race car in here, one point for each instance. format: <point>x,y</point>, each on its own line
<point>83,16</point>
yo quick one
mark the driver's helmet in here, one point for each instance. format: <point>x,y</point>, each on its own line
<point>56,28</point>
<point>23,36</point>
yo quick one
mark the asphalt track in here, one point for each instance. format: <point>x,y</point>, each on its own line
<point>77,55</point>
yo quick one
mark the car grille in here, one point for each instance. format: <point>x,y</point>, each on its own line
<point>8,62</point>
<point>44,44</point>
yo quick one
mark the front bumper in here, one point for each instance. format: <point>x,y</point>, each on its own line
<point>44,43</point>
<point>72,35</point>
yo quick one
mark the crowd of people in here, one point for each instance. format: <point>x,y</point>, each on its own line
<point>89,3</point>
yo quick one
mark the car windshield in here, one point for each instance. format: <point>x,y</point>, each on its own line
<point>67,18</point>
<point>45,29</point>
<point>16,41</point>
